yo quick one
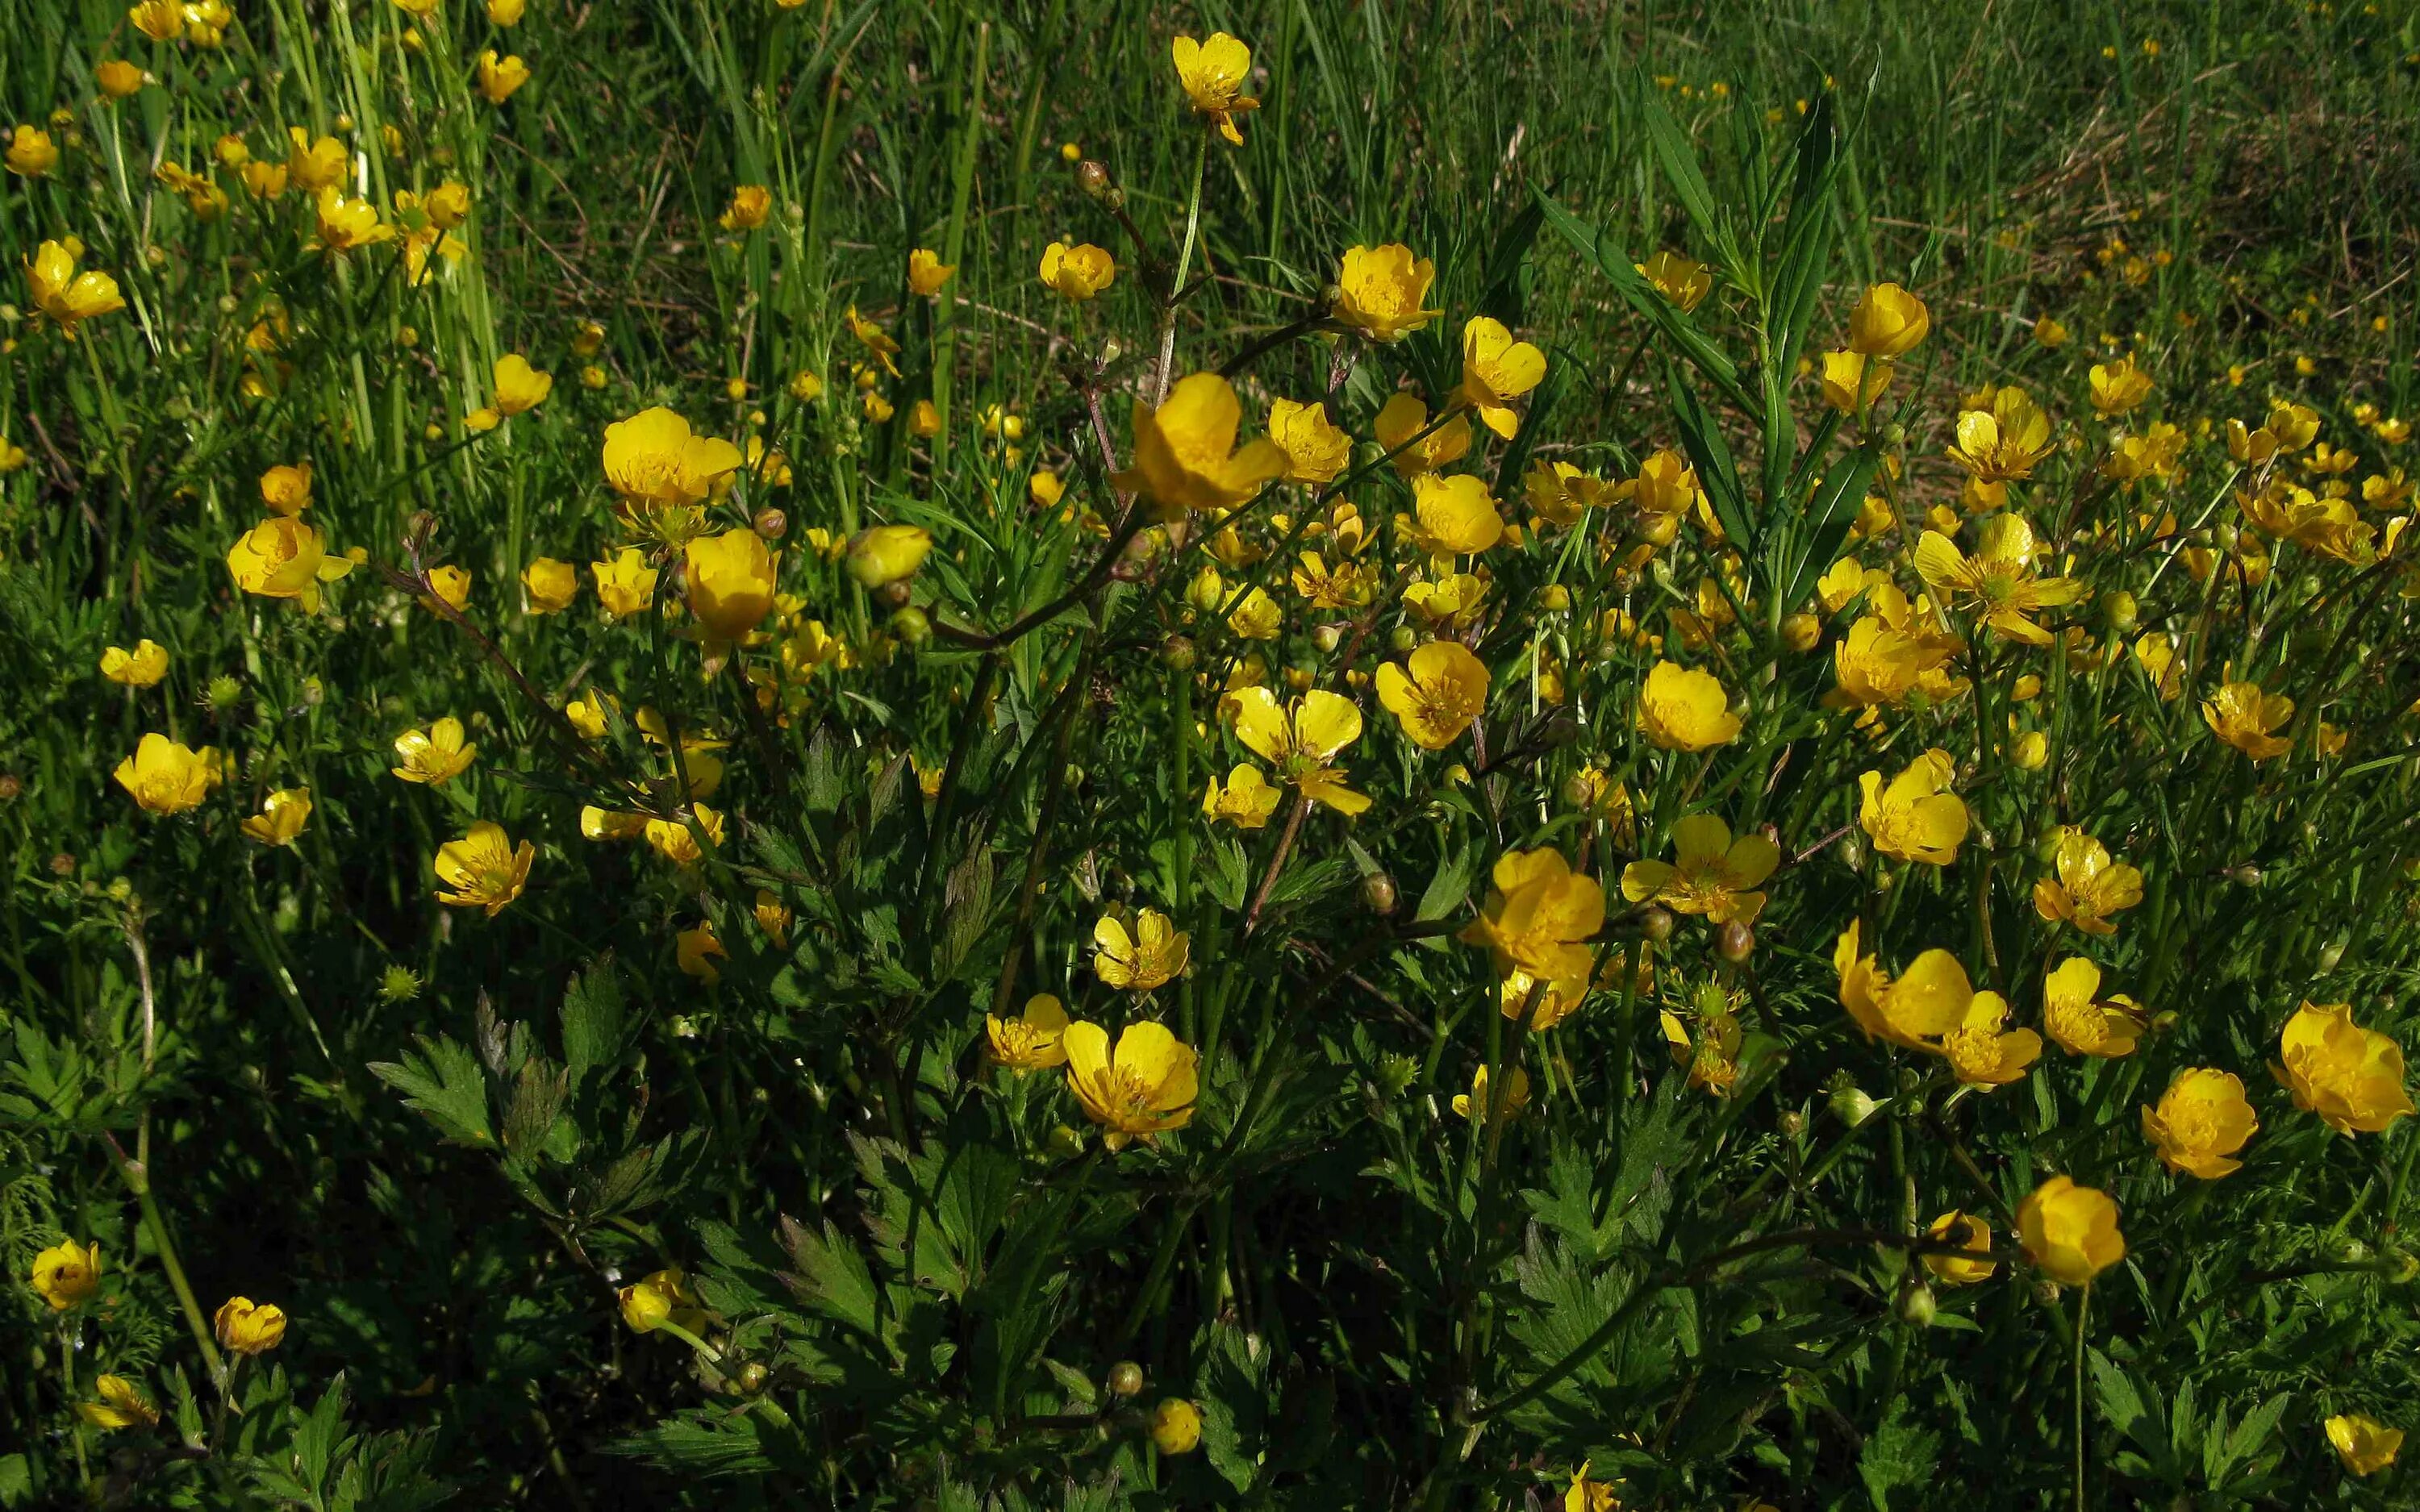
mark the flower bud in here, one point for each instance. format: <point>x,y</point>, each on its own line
<point>1801,631</point>
<point>2332,954</point>
<point>2119,611</point>
<point>1657,925</point>
<point>1851,1107</point>
<point>1378,893</point>
<point>771,524</point>
<point>1917,1305</point>
<point>1894,433</point>
<point>1094,177</point>
<point>910,626</point>
<point>2245,874</point>
<point>1735,942</point>
<point>1175,1427</point>
<point>1403,638</point>
<point>1126,1378</point>
<point>1176,652</point>
<point>1554,597</point>
<point>1327,638</point>
<point>1793,1124</point>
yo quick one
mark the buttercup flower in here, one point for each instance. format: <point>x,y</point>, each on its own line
<point>1436,694</point>
<point>1686,709</point>
<point>499,77</point>
<point>1684,281</point>
<point>448,585</point>
<point>694,951</point>
<point>2202,1118</point>
<point>1302,743</point>
<point>1213,73</point>
<point>1381,290</point>
<point>1562,493</point>
<point>1924,1005</point>
<point>731,582</point>
<point>347,224</point>
<point>926,272</point>
<point>874,339</point>
<point>1142,1089</point>
<point>1474,1107</point>
<point>67,1275</point>
<point>1916,818</point>
<point>1999,579</point>
<point>550,585</point>
<point>886,554</point>
<point>519,388</point>
<point>2351,1078</point>
<point>1538,914</point>
<point>282,816</point>
<point>1399,427</point>
<point>286,489</point>
<point>435,756</point>
<point>1185,457</point>
<point>1711,874</point>
<point>1496,370</point>
<point>66,296</point>
<point>659,1298</point>
<point>142,667</point>
<point>1315,450</point>
<point>1888,321</point>
<point>1175,1427</point>
<point>1245,800</point>
<point>2069,1231</point>
<point>167,777</point>
<point>245,1327</point>
<point>31,153</point>
<point>2003,439</point>
<point>1969,1231</point>
<point>1981,1052</point>
<point>1151,955</point>
<point>1454,516</point>
<point>2081,1025</point>
<point>1853,381</point>
<point>626,585</point>
<point>2363,1443</point>
<point>2089,886</point>
<point>672,839</point>
<point>483,869</point>
<point>2119,386</point>
<point>2244,716</point>
<point>118,78</point>
<point>1077,272</point>
<point>750,205</point>
<point>654,458</point>
<point>121,1406</point>
<point>1031,1040</point>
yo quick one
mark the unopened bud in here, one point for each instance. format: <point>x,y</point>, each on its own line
<point>1126,1378</point>
<point>1801,632</point>
<point>1657,925</point>
<point>771,524</point>
<point>1094,176</point>
<point>2247,875</point>
<point>910,626</point>
<point>1176,653</point>
<point>2119,611</point>
<point>1917,1305</point>
<point>1851,1107</point>
<point>1378,893</point>
<point>1735,942</point>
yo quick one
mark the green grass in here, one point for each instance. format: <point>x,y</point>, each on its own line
<point>442,1141</point>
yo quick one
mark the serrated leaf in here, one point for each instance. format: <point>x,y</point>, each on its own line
<point>443,1083</point>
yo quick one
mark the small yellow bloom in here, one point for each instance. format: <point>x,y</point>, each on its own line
<point>1711,874</point>
<point>1853,381</point>
<point>31,153</point>
<point>1496,370</point>
<point>1143,1088</point>
<point>731,579</point>
<point>499,77</point>
<point>142,667</point>
<point>1399,427</point>
<point>1916,818</point>
<point>1381,290</point>
<point>885,554</point>
<point>2351,1078</point>
<point>1666,486</point>
<point>1999,579</point>
<point>2119,386</point>
<point>2083,1025</point>
<point>2363,1443</point>
<point>167,777</point>
<point>654,458</point>
<point>245,1327</point>
<point>286,489</point>
<point>448,585</point>
<point>1473,1106</point>
<point>626,585</point>
<point>282,816</point>
<point>550,585</point>
<point>1077,272</point>
<point>751,203</point>
<point>926,272</point>
<point>349,224</point>
<point>659,1298</point>
<point>1686,709</point>
<point>1302,742</point>
<point>874,339</point>
<point>1684,281</point>
<point>118,78</point>
<point>1315,450</point>
<point>2002,440</point>
<point>1560,493</point>
<point>2202,1119</point>
<point>120,1406</point>
<point>67,1275</point>
<point>162,21</point>
<point>1925,1004</point>
<point>1454,516</point>
<point>1151,955</point>
<point>1246,801</point>
<point>1032,1041</point>
<point>2070,1231</point>
<point>1969,1233</point>
<point>66,296</point>
<point>520,386</point>
<point>505,13</point>
<point>1981,1052</point>
<point>672,839</point>
<point>1538,914</point>
<point>1213,73</point>
<point>1888,321</point>
<point>435,756</point>
<point>263,179</point>
<point>694,951</point>
<point>2243,715</point>
<point>1436,694</point>
<point>1175,1427</point>
<point>2049,333</point>
<point>1185,457</point>
<point>2089,886</point>
<point>483,869</point>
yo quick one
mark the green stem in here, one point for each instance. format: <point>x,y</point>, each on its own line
<point>2082,1306</point>
<point>138,1180</point>
<point>1184,265</point>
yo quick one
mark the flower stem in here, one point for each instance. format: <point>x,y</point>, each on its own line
<point>1184,264</point>
<point>138,1180</point>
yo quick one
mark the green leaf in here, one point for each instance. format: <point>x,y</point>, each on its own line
<point>592,1024</point>
<point>1712,456</point>
<point>1678,160</point>
<point>1898,1462</point>
<point>443,1083</point>
<point>1670,319</point>
<point>831,1276</point>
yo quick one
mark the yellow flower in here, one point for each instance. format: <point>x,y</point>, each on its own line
<point>1315,450</point>
<point>1473,1107</point>
<point>1175,1427</point>
<point>1684,281</point>
<point>66,1276</point>
<point>2351,1078</point>
<point>499,77</point>
<point>2070,1231</point>
<point>435,756</point>
<point>1302,743</point>
<point>2049,333</point>
<point>550,585</point>
<point>654,458</point>
<point>886,554</point>
<point>1143,1088</point>
<point>1583,1494</point>
<point>1033,1040</point>
<point>31,152</point>
<point>2002,440</point>
<point>2119,386</point>
<point>505,13</point>
<point>282,816</point>
<point>695,949</point>
<point>2203,1119</point>
<point>1380,290</point>
<point>1077,272</point>
<point>1436,694</point>
<point>1888,321</point>
<point>1916,818</point>
<point>1402,418</point>
<point>283,558</point>
<point>286,489</point>
<point>120,1406</point>
<point>142,667</point>
<point>118,78</point>
<point>64,295</point>
<point>1453,516</point>
<point>518,386</point>
<point>926,272</point>
<point>167,777</point>
<point>2089,886</point>
<point>1999,578</point>
<point>750,205</point>
<point>731,582</point>
<point>1969,1233</point>
<point>448,585</point>
<point>1982,1053</point>
<point>1711,874</point>
<point>1560,493</point>
<point>1928,1002</point>
<point>263,179</point>
<point>874,339</point>
<point>1496,370</point>
<point>245,1327</point>
<point>599,824</point>
<point>1185,457</point>
<point>1686,709</point>
<point>1666,486</point>
<point>659,1298</point>
<point>2363,1443</point>
<point>347,225</point>
<point>1213,73</point>
<point>1151,955</point>
<point>1852,381</point>
<point>672,839</point>
<point>627,584</point>
<point>2242,716</point>
<point>1246,801</point>
<point>2082,1025</point>
<point>483,869</point>
<point>1537,916</point>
